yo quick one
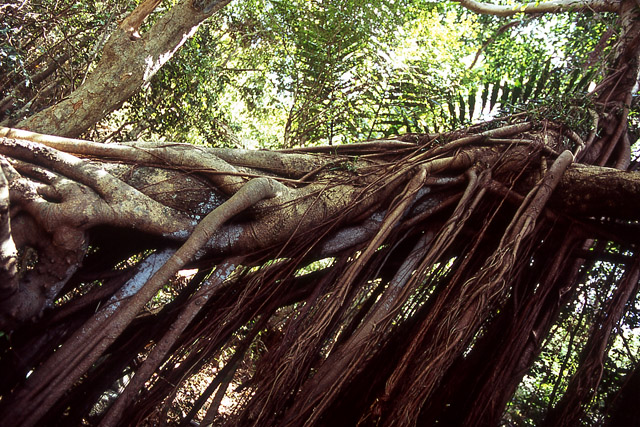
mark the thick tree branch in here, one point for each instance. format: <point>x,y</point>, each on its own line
<point>558,6</point>
<point>598,192</point>
<point>132,23</point>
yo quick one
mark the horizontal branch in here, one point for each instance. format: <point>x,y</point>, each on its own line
<point>595,191</point>
<point>554,6</point>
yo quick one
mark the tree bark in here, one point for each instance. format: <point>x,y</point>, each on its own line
<point>557,6</point>
<point>128,61</point>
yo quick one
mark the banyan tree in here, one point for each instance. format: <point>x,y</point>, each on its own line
<point>404,281</point>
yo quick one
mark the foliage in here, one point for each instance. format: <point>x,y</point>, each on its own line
<point>335,71</point>
<point>321,72</point>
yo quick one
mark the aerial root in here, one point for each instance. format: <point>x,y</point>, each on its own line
<point>456,315</point>
<point>536,200</point>
<point>160,350</point>
<point>402,202</point>
<point>113,202</point>
<point>585,381</point>
<point>65,366</point>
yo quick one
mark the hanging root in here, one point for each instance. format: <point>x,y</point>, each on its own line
<point>585,381</point>
<point>153,360</point>
<point>457,315</point>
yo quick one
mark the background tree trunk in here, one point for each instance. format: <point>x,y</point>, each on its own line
<point>129,60</point>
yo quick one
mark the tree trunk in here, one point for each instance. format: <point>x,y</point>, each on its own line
<point>129,60</point>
